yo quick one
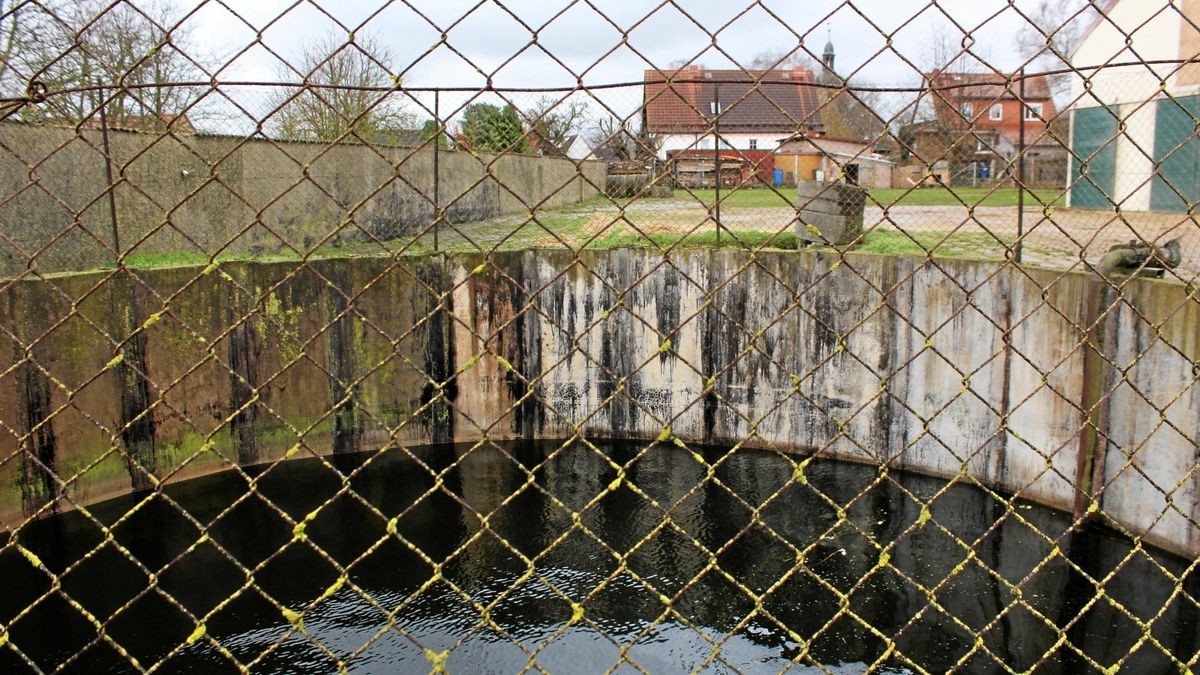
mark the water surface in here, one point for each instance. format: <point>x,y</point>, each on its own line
<point>715,587</point>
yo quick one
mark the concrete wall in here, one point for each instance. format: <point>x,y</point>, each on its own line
<point>207,194</point>
<point>878,359</point>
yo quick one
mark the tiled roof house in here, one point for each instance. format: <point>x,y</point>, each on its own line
<point>757,108</point>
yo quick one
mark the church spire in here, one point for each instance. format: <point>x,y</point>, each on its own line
<point>828,56</point>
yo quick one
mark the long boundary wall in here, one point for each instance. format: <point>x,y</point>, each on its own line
<point>214,194</point>
<point>997,375</point>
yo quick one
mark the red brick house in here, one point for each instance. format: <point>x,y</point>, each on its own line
<point>757,108</point>
<point>975,132</point>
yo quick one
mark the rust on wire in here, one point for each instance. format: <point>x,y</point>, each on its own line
<point>362,365</point>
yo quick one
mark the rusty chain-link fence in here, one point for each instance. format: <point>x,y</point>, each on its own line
<point>504,337</point>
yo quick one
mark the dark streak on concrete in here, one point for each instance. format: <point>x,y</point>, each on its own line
<point>1000,441</point>
<point>710,322</point>
<point>666,307</point>
<point>137,419</point>
<point>38,484</point>
<point>524,353</point>
<point>243,383</point>
<point>885,405</point>
<point>440,357</point>
<point>347,422</point>
<point>1092,439</point>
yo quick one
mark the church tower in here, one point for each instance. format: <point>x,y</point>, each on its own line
<point>828,56</point>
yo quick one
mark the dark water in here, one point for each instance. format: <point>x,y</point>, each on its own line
<point>389,611</point>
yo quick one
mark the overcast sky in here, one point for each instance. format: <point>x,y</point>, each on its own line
<point>588,38</point>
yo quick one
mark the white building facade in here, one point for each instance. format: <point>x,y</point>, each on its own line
<point>1125,128</point>
<point>688,110</point>
<point>671,143</point>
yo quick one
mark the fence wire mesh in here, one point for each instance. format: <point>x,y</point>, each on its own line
<point>587,336</point>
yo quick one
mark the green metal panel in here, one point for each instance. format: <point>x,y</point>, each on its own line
<point>1176,155</point>
<point>1095,157</point>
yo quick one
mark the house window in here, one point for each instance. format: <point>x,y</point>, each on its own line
<point>753,143</point>
<point>966,109</point>
<point>996,113</point>
<point>1033,111</point>
<point>705,143</point>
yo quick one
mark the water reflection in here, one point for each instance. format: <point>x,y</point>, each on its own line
<point>505,593</point>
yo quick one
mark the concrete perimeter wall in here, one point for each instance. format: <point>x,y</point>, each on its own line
<point>211,194</point>
<point>878,359</point>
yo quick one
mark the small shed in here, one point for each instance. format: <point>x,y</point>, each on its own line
<point>822,158</point>
<point>739,168</point>
<point>699,170</point>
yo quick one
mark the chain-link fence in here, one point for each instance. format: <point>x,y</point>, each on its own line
<point>499,337</point>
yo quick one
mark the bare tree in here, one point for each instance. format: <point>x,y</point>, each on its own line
<point>141,53</point>
<point>1050,34</point>
<point>782,59</point>
<point>683,63</point>
<point>13,18</point>
<point>948,49</point>
<point>553,122</point>
<point>613,139</point>
<point>345,94</point>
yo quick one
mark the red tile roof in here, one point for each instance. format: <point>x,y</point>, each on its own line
<point>774,101</point>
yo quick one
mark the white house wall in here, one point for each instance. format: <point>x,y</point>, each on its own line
<point>1131,89</point>
<point>1155,34</point>
<point>734,141</point>
<point>1134,160</point>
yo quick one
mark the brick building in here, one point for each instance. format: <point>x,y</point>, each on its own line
<point>975,131</point>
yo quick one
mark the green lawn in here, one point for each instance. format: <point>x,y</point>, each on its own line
<point>707,238</point>
<point>940,244</point>
<point>486,235</point>
<point>576,227</point>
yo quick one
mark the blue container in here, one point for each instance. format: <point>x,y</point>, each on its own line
<point>779,176</point>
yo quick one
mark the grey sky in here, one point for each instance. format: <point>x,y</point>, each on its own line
<point>491,38</point>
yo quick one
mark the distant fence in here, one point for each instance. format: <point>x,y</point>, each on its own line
<point>216,194</point>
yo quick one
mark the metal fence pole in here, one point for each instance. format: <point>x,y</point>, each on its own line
<point>108,170</point>
<point>437,151</point>
<point>1021,170</point>
<point>716,111</point>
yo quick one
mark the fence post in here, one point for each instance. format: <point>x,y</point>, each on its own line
<point>108,170</point>
<point>716,112</point>
<point>1021,171</point>
<point>437,173</point>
